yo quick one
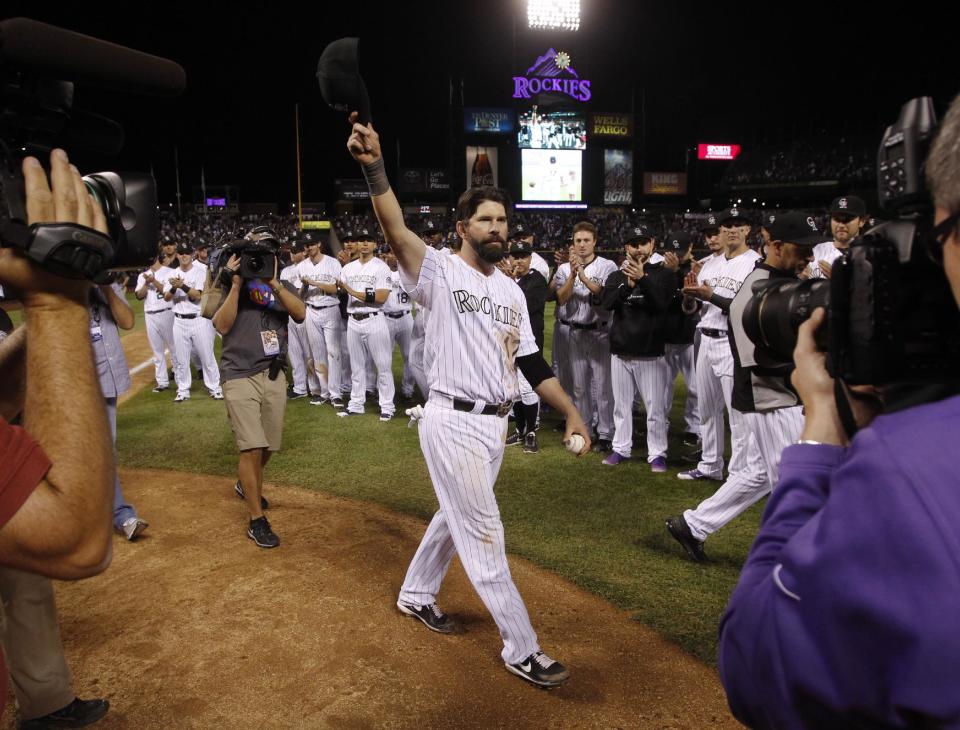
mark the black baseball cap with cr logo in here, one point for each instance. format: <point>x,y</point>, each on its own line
<point>848,205</point>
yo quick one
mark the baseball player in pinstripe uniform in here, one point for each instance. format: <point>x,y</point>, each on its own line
<point>768,405</point>
<point>579,284</point>
<point>298,343</point>
<point>159,319</point>
<point>848,215</point>
<point>637,296</point>
<point>190,334</point>
<point>320,273</point>
<point>367,282</point>
<point>560,347</point>
<point>478,335</point>
<point>400,323</point>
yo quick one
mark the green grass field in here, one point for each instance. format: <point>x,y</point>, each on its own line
<point>600,527</point>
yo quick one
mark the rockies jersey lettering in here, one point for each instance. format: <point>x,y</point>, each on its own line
<point>327,270</point>
<point>471,357</point>
<point>372,275</point>
<point>582,307</point>
<point>725,276</point>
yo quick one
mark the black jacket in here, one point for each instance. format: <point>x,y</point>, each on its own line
<point>534,288</point>
<point>679,328</point>
<point>636,329</point>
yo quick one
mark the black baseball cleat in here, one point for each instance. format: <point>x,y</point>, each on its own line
<point>264,504</point>
<point>160,388</point>
<point>336,403</point>
<point>293,395</point>
<point>602,446</point>
<point>77,714</point>
<point>541,670</point>
<point>262,534</point>
<point>691,439</point>
<point>433,618</point>
<point>530,445</point>
<point>514,439</point>
<point>680,531</point>
<point>316,400</point>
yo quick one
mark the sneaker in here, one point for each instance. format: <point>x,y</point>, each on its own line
<point>697,475</point>
<point>680,531</point>
<point>293,395</point>
<point>262,534</point>
<point>337,403</point>
<point>264,504</point>
<point>77,714</point>
<point>602,446</point>
<point>658,465</point>
<point>691,439</point>
<point>514,439</point>
<point>433,618</point>
<point>384,417</point>
<point>181,397</point>
<point>614,459</point>
<point>317,400</point>
<point>541,670</point>
<point>133,527</point>
<point>344,414</point>
<point>530,445</point>
<point>161,388</point>
<point>217,395</point>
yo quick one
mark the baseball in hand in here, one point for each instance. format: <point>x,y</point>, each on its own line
<point>575,443</point>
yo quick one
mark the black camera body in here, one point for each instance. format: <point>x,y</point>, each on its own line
<point>891,316</point>
<point>259,259</point>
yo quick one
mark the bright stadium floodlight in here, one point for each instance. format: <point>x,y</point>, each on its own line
<point>554,14</point>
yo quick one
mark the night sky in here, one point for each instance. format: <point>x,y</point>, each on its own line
<point>690,73</point>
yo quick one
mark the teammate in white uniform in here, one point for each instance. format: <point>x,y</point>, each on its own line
<point>560,347</point>
<point>848,215</point>
<point>400,323</point>
<point>579,284</point>
<point>432,236</point>
<point>716,285</point>
<point>367,282</point>
<point>298,343</point>
<point>324,327</point>
<point>478,334</point>
<point>190,334</point>
<point>762,396</point>
<point>159,319</point>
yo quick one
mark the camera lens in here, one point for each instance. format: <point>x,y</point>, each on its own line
<point>129,203</point>
<point>773,316</point>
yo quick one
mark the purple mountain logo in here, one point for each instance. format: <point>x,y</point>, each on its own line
<point>544,77</point>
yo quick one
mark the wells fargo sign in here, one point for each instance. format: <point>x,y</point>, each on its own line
<point>604,124</point>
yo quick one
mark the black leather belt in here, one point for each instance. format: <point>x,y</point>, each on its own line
<point>155,311</point>
<point>577,326</point>
<point>184,316</point>
<point>359,317</point>
<point>713,333</point>
<point>396,315</point>
<point>314,306</point>
<point>490,410</point>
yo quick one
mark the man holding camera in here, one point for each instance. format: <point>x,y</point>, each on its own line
<point>762,397</point>
<point>845,612</point>
<point>252,320</point>
<point>190,334</point>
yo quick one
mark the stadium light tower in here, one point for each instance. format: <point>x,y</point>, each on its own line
<point>553,14</point>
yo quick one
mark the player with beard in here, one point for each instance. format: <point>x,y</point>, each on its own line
<point>478,336</point>
<point>847,218</point>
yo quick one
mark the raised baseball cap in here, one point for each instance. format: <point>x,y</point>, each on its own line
<point>848,205</point>
<point>797,228</point>
<point>338,74</point>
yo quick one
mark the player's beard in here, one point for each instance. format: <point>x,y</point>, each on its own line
<point>492,250</point>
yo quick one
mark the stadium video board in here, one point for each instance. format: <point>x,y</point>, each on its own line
<point>553,130</point>
<point>551,175</point>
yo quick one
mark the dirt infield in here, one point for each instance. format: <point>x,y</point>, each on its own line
<point>193,626</point>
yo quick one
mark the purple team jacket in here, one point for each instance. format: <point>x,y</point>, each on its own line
<point>847,613</point>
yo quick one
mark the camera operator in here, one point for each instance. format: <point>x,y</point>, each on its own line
<point>846,610</point>
<point>252,320</point>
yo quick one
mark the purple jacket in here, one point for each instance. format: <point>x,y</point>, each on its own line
<point>847,613</point>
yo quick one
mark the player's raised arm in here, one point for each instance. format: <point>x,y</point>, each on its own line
<point>364,145</point>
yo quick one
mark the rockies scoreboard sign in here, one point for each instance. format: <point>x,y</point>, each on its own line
<point>617,177</point>
<point>604,124</point>
<point>552,73</point>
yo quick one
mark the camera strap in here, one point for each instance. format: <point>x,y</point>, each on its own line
<point>844,410</point>
<point>67,249</point>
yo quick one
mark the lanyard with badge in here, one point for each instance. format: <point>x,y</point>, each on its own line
<point>96,332</point>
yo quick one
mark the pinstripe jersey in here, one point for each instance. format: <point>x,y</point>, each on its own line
<point>399,300</point>
<point>580,307</point>
<point>372,275</point>
<point>195,278</point>
<point>823,252</point>
<point>478,326</point>
<point>538,263</point>
<point>726,277</point>
<point>154,299</point>
<point>326,271</point>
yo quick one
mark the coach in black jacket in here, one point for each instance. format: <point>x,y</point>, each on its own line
<point>638,295</point>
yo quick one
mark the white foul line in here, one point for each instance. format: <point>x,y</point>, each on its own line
<point>142,366</point>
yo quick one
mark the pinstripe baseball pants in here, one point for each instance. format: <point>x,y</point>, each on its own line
<point>324,334</point>
<point>160,336</point>
<point>768,434</point>
<point>370,338</point>
<point>589,358</point>
<point>648,377</point>
<point>464,452</point>
<point>679,358</point>
<point>714,389</point>
<point>417,337</point>
<point>401,329</point>
<point>193,335</point>
<point>298,350</point>
<point>560,354</point>
<point>346,372</point>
